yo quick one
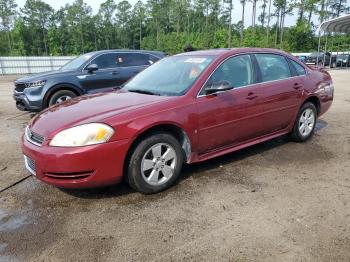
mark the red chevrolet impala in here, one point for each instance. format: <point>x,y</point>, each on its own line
<point>186,108</point>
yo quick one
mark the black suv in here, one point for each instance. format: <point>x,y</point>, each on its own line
<point>343,60</point>
<point>89,73</point>
<point>321,58</point>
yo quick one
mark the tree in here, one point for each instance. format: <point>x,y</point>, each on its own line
<point>122,18</point>
<point>338,7</point>
<point>105,22</point>
<point>254,13</point>
<point>242,23</point>
<point>229,11</point>
<point>139,16</point>
<point>7,12</point>
<point>37,16</point>
<point>166,25</point>
<point>77,17</point>
<point>268,23</point>
<point>262,17</point>
<point>310,7</point>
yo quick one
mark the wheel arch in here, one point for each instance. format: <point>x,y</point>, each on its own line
<point>171,128</point>
<point>316,101</point>
<point>61,86</point>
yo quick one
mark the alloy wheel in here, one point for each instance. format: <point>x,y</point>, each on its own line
<point>62,99</point>
<point>307,122</point>
<point>158,164</point>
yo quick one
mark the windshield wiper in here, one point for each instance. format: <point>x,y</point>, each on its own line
<point>140,91</point>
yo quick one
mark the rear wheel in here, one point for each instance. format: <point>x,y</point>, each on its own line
<point>155,164</point>
<point>305,123</point>
<point>61,96</point>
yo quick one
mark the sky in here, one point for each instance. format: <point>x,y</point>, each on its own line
<point>236,14</point>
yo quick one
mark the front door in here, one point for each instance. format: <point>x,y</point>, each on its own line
<point>108,74</point>
<point>231,117</point>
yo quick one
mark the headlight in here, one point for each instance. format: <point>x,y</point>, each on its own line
<point>38,83</point>
<point>84,135</point>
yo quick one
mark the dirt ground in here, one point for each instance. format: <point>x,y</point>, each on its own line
<point>277,201</point>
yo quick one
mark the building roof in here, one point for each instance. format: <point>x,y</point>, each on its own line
<point>336,25</point>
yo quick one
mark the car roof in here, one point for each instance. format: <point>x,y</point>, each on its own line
<point>231,51</point>
<point>157,53</point>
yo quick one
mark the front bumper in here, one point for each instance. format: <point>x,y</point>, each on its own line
<point>23,103</point>
<point>80,167</point>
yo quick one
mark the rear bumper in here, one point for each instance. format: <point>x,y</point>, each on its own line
<point>81,167</point>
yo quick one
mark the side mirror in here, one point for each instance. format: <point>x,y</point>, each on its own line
<point>218,87</point>
<point>92,68</point>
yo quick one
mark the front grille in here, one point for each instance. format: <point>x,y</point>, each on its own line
<point>33,138</point>
<point>30,165</point>
<point>19,87</point>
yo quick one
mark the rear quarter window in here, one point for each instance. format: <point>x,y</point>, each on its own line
<point>298,68</point>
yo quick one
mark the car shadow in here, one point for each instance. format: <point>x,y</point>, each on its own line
<point>191,170</point>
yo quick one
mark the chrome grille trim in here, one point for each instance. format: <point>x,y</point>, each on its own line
<point>30,165</point>
<point>33,137</point>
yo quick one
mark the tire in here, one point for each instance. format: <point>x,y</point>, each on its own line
<point>307,116</point>
<point>61,96</point>
<point>150,169</point>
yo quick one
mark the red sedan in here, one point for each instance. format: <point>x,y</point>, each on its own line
<point>186,108</point>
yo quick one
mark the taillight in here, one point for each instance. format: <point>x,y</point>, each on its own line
<point>329,88</point>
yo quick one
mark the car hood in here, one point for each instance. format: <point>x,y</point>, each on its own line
<point>43,76</point>
<point>88,109</point>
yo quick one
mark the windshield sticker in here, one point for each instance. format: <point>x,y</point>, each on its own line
<point>195,60</point>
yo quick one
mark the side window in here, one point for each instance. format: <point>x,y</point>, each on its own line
<point>237,70</point>
<point>106,61</point>
<point>273,67</point>
<point>298,68</point>
<point>152,59</point>
<point>135,59</point>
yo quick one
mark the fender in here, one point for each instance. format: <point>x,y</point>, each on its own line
<point>186,141</point>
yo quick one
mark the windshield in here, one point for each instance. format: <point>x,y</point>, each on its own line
<point>171,76</point>
<point>76,63</point>
<point>343,56</point>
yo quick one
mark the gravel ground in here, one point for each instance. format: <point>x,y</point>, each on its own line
<point>277,201</point>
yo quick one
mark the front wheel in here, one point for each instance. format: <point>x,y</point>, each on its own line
<point>155,164</point>
<point>305,123</point>
<point>61,96</point>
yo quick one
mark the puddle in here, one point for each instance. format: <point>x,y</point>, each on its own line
<point>3,247</point>
<point>320,125</point>
<point>11,222</point>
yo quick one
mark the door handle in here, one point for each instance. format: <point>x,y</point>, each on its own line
<point>115,73</point>
<point>296,86</point>
<point>251,96</point>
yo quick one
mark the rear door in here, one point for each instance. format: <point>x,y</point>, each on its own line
<point>130,64</point>
<point>231,117</point>
<point>281,92</point>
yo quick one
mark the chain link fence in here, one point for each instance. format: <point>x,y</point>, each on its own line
<point>20,65</point>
